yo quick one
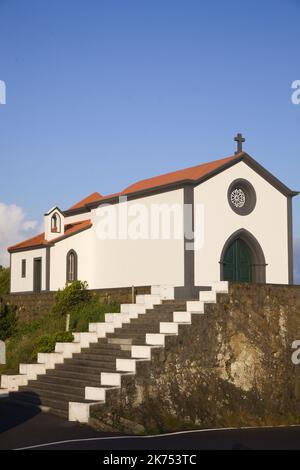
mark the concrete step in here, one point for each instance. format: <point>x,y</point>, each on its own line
<point>97,357</point>
<point>46,389</point>
<point>33,399</point>
<point>148,299</point>
<point>132,308</point>
<point>153,317</point>
<point>32,370</point>
<point>208,296</point>
<point>195,306</point>
<point>142,352</point>
<point>70,374</point>
<point>83,369</point>
<point>127,335</point>
<point>56,408</point>
<point>84,339</point>
<point>105,352</point>
<point>97,393</point>
<point>105,346</point>
<point>221,287</point>
<point>152,327</point>
<point>63,380</point>
<point>81,364</point>
<point>57,402</point>
<point>168,328</point>
<point>155,339</point>
<point>101,328</point>
<point>113,379</point>
<point>164,292</point>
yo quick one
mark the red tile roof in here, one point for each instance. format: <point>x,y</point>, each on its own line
<point>91,198</point>
<point>193,174</point>
<point>188,174</point>
<point>39,240</point>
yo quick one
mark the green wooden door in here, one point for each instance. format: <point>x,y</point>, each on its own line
<point>37,274</point>
<point>238,262</point>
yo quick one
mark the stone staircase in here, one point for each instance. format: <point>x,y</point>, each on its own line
<point>79,376</point>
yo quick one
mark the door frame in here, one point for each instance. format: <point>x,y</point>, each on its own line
<point>34,270</point>
<point>259,262</point>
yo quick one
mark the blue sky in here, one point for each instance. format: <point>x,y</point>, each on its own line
<point>103,93</point>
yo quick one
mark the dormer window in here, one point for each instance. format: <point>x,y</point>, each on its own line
<point>55,223</point>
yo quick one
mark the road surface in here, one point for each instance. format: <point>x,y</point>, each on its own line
<point>25,427</point>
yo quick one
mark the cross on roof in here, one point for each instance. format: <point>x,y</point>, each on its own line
<point>240,140</point>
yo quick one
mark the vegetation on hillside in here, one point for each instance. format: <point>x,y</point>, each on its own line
<point>25,339</point>
<point>4,280</point>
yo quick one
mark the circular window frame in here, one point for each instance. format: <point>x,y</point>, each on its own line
<point>250,195</point>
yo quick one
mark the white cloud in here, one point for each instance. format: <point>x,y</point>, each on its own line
<point>297,260</point>
<point>14,227</point>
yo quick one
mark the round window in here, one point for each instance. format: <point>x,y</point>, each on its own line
<point>241,197</point>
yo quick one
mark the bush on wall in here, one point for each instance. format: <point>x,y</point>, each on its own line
<point>71,296</point>
<point>46,343</point>
<point>4,280</point>
<point>8,321</point>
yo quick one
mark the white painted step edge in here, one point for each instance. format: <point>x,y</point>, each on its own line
<point>97,393</point>
<point>168,328</point>
<point>32,370</point>
<point>182,317</point>
<point>13,382</point>
<point>112,379</point>
<point>67,349</point>
<point>142,352</point>
<point>50,359</point>
<point>208,296</point>
<point>80,411</point>
<point>155,339</point>
<point>195,306</point>
<point>221,287</point>
<point>133,308</point>
<point>165,292</point>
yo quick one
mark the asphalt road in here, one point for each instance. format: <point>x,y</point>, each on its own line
<point>24,427</point>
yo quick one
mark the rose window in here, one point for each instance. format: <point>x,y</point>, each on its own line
<point>238,197</point>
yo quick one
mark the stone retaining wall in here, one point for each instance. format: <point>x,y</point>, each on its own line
<point>231,367</point>
<point>32,305</point>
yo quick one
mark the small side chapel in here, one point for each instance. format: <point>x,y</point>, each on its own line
<point>245,222</point>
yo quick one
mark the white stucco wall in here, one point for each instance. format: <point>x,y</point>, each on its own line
<point>119,263</point>
<point>268,224</point>
<point>19,284</point>
<point>77,218</point>
<point>82,244</point>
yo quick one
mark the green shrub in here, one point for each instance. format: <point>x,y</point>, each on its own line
<point>4,280</point>
<point>8,321</point>
<point>93,311</point>
<point>70,297</point>
<point>46,343</point>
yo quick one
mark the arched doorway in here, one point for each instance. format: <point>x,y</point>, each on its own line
<point>237,262</point>
<point>242,259</point>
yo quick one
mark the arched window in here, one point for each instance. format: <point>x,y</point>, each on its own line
<point>71,266</point>
<point>55,223</point>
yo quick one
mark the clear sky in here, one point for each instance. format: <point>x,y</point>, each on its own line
<point>101,93</point>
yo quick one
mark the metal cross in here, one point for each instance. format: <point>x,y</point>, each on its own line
<point>240,140</point>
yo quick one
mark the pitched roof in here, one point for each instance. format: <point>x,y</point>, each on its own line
<point>193,174</point>
<point>188,174</point>
<point>40,241</point>
<point>91,198</point>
